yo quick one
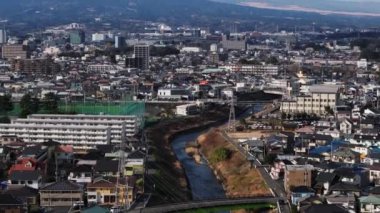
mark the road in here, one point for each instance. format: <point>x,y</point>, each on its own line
<point>277,189</point>
<point>204,204</point>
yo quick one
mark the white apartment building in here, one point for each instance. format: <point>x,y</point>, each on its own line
<point>82,130</point>
<point>258,70</point>
<point>319,97</point>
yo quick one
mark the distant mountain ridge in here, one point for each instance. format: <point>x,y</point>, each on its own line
<point>41,13</point>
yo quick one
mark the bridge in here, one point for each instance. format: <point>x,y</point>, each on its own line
<point>218,101</point>
<point>205,204</point>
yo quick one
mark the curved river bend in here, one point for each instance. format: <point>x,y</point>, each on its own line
<point>201,179</point>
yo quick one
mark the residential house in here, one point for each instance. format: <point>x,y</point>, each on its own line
<point>106,167</point>
<point>323,182</point>
<point>367,123</point>
<point>374,174</point>
<point>28,196</point>
<point>64,154</point>
<point>345,155</point>
<point>300,193</point>
<point>37,152</point>
<point>105,192</point>
<point>64,193</point>
<point>24,164</point>
<point>347,201</point>
<point>32,179</point>
<point>81,174</point>
<point>135,163</point>
<point>366,139</point>
<point>346,126</point>
<point>278,168</point>
<point>325,208</point>
<point>10,204</point>
<point>341,188</point>
<point>369,204</point>
<point>372,158</point>
<point>353,175</point>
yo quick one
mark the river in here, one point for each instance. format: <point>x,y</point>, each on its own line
<point>201,179</point>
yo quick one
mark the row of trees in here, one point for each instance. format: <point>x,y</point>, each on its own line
<point>300,116</point>
<point>30,104</point>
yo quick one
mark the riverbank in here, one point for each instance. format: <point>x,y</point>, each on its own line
<point>233,169</point>
<point>169,184</point>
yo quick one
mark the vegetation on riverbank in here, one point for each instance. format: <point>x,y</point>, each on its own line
<point>238,177</point>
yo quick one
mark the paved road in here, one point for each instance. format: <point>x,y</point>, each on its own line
<point>204,204</point>
<point>277,189</point>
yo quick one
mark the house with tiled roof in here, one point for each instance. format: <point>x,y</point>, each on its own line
<point>369,204</point>
<point>10,203</point>
<point>31,179</point>
<point>59,194</point>
<point>24,164</point>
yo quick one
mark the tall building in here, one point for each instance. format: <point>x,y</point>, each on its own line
<point>3,36</point>
<point>12,51</point>
<point>77,37</point>
<point>119,42</point>
<point>142,53</point>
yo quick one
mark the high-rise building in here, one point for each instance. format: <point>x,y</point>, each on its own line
<point>12,51</point>
<point>3,36</point>
<point>119,42</point>
<point>142,53</point>
<point>77,37</point>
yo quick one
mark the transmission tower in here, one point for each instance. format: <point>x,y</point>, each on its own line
<point>232,117</point>
<point>121,169</point>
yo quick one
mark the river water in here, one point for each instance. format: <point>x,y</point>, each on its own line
<point>201,179</point>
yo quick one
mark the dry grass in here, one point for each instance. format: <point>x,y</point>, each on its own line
<point>236,173</point>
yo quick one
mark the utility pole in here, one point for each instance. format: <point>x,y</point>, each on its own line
<point>232,117</point>
<point>121,168</point>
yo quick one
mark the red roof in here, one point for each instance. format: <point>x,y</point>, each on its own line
<point>65,149</point>
<point>24,164</point>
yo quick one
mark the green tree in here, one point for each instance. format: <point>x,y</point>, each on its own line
<point>50,102</point>
<point>220,154</point>
<point>29,105</point>
<point>272,60</point>
<point>329,111</point>
<point>5,120</point>
<point>6,104</point>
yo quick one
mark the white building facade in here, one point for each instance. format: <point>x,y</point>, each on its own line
<point>319,98</point>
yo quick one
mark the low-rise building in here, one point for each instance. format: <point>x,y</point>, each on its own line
<point>297,175</point>
<point>32,179</point>
<point>60,194</point>
<point>105,192</point>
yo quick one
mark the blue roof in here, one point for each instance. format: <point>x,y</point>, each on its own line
<point>323,149</point>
